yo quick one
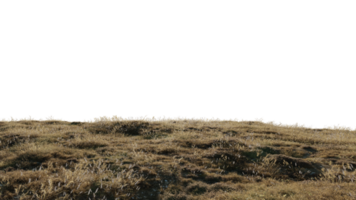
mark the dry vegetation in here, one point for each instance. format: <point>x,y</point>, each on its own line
<point>174,159</point>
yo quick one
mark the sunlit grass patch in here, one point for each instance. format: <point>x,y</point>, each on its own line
<point>181,159</point>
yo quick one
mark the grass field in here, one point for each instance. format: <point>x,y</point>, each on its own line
<point>174,159</point>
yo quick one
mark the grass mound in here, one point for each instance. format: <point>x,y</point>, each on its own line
<point>174,159</point>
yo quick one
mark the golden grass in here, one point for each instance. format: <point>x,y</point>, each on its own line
<point>174,159</point>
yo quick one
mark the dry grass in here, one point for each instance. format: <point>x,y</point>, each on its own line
<point>174,159</point>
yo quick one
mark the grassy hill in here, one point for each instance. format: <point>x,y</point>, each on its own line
<point>174,159</point>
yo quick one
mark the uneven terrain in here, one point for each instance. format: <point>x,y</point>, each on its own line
<point>174,159</point>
